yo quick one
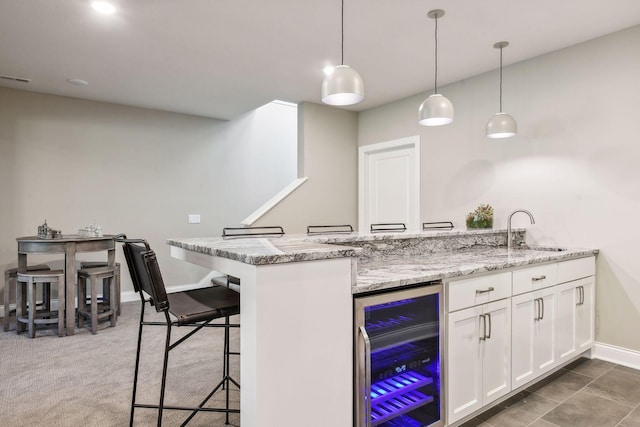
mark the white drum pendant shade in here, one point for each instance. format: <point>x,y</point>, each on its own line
<point>501,125</point>
<point>436,110</point>
<point>343,86</point>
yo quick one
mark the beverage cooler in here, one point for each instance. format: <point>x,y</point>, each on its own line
<point>398,345</point>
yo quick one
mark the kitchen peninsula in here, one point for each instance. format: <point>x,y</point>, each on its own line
<point>297,305</point>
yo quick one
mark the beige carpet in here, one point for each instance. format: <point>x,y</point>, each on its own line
<point>86,380</point>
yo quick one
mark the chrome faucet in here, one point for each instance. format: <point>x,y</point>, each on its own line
<point>509,237</point>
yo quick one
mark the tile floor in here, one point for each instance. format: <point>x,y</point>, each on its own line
<point>587,393</point>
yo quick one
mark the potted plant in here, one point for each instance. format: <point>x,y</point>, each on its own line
<point>482,217</point>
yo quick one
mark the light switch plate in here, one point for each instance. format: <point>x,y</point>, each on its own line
<point>194,218</point>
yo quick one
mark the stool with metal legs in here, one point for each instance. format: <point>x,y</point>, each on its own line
<point>195,308</point>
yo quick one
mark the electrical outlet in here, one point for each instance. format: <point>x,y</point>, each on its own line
<point>194,218</point>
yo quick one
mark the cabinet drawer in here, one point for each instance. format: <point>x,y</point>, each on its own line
<point>478,290</point>
<point>576,269</point>
<point>533,278</point>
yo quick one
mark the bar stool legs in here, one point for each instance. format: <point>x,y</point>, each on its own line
<point>10,276</point>
<point>92,264</point>
<point>97,310</point>
<point>27,304</point>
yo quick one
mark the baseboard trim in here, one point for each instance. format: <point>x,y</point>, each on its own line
<point>621,356</point>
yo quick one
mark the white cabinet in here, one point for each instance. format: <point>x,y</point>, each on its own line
<point>533,331</point>
<point>576,310</point>
<point>479,354</point>
<point>507,329</point>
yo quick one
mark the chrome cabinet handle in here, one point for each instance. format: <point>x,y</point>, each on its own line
<point>488,316</point>
<point>483,336</point>
<point>484,291</point>
<point>579,303</point>
<point>367,376</point>
<point>537,308</point>
<point>542,305</point>
<point>580,295</point>
<point>538,278</point>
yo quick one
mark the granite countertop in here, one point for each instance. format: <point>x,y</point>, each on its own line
<point>261,251</point>
<point>391,271</point>
<point>392,264</point>
<point>299,247</point>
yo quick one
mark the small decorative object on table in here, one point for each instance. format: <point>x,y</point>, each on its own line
<point>92,230</point>
<point>46,232</point>
<point>482,217</point>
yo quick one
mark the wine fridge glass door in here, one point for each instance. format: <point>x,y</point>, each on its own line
<point>398,362</point>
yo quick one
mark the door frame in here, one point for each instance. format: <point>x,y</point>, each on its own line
<point>410,142</point>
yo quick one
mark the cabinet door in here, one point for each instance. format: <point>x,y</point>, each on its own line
<point>533,350</point>
<point>524,315</point>
<point>464,363</point>
<point>585,315</point>
<point>569,295</point>
<point>496,351</point>
<point>545,353</point>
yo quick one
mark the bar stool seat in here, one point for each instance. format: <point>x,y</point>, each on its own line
<point>97,309</point>
<point>27,312</point>
<point>10,276</point>
<point>106,296</point>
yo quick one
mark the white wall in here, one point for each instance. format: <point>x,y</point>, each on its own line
<point>575,162</point>
<point>136,171</point>
<point>328,156</point>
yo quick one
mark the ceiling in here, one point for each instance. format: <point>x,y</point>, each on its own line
<point>222,58</point>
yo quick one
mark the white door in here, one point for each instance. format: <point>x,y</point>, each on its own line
<point>389,183</point>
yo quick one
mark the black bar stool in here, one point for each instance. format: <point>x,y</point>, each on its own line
<point>194,308</point>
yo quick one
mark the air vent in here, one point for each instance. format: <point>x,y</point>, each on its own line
<point>15,79</point>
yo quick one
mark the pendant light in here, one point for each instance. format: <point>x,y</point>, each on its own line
<point>501,125</point>
<point>436,110</point>
<point>342,86</point>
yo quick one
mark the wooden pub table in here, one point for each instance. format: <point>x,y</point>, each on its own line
<point>69,245</point>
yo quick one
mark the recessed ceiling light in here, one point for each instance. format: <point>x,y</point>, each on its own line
<point>77,82</point>
<point>103,7</point>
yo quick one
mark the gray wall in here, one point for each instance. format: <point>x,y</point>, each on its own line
<point>575,162</point>
<point>327,143</point>
<point>135,171</point>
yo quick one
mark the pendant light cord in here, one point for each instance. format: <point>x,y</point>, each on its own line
<point>342,32</point>
<point>501,79</point>
<point>435,84</point>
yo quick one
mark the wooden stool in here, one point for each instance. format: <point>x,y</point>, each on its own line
<point>92,264</point>
<point>97,310</point>
<point>26,304</point>
<point>10,276</point>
